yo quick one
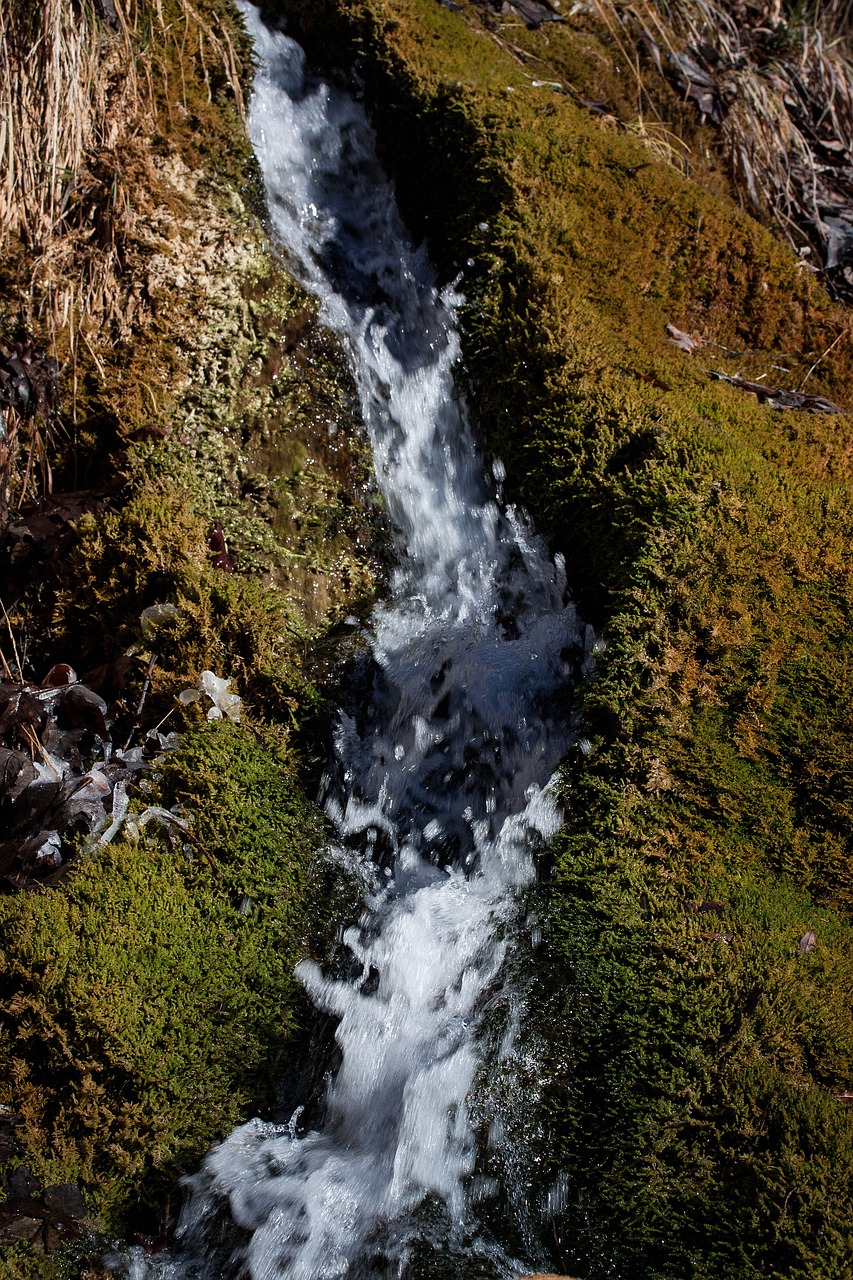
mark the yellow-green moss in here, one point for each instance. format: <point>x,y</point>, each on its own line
<point>149,1004</point>
<point>690,1079</point>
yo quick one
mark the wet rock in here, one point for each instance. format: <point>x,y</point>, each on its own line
<point>66,1202</point>
<point>22,1183</point>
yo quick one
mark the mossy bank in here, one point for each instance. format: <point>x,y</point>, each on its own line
<point>206,457</point>
<point>698,1051</point>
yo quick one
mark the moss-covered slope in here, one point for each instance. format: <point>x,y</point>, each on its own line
<point>147,1002</point>
<point>150,995</point>
<point>700,1051</point>
<point>699,1046</point>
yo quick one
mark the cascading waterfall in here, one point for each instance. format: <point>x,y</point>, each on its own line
<point>443,779</point>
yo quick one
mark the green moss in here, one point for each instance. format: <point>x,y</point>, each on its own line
<point>149,1005</point>
<point>20,1263</point>
<point>691,1102</point>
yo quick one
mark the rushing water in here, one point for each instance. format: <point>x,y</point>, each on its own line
<point>443,777</point>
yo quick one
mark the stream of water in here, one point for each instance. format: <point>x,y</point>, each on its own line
<point>443,792</point>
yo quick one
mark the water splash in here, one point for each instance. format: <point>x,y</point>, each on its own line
<point>443,788</point>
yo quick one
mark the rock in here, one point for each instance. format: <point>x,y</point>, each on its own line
<point>22,1183</point>
<point>66,1202</point>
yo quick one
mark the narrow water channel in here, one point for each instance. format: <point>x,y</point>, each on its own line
<point>443,795</point>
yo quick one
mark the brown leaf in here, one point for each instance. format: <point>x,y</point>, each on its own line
<point>148,432</point>
<point>532,12</point>
<point>81,708</point>
<point>220,559</point>
<point>779,397</point>
<point>16,770</point>
<point>20,717</point>
<point>29,378</point>
<point>696,84</point>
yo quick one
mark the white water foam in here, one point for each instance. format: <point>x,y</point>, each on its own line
<point>445,775</point>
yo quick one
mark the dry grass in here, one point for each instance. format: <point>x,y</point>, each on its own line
<point>63,72</point>
<point>81,102</point>
<point>73,88</point>
<point>834,18</point>
<point>25,470</point>
<point>785,84</point>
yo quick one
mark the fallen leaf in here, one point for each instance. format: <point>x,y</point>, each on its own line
<point>59,674</point>
<point>81,708</point>
<point>808,942</point>
<point>839,242</point>
<point>220,559</point>
<point>16,770</point>
<point>697,85</point>
<point>685,341</point>
<point>532,12</point>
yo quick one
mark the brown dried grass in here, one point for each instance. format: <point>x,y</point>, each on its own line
<point>788,79</point>
<point>25,470</point>
<point>73,88</point>
<point>77,108</point>
<point>80,102</point>
<point>70,91</point>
